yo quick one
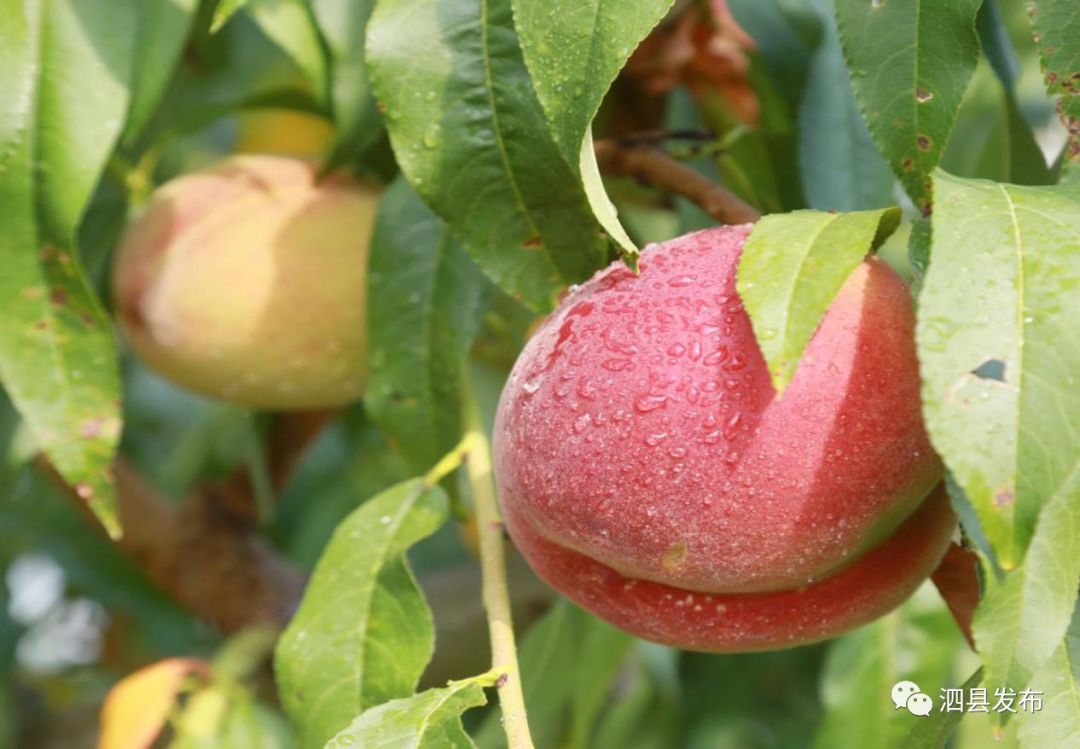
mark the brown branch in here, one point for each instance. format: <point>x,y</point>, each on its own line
<point>654,167</point>
<point>209,560</point>
<point>290,434</point>
<point>207,553</point>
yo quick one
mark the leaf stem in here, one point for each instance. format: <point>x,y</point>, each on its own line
<point>477,451</point>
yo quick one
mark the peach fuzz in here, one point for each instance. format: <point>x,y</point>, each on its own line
<point>642,456</point>
<point>247,281</point>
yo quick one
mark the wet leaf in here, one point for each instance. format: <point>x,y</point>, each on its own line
<point>792,266</point>
<point>574,49</point>
<point>429,720</point>
<point>64,74</point>
<point>363,633</point>
<point>910,63</point>
<point>1002,289</point>
<point>473,141</point>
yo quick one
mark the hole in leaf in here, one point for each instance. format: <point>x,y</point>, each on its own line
<point>991,369</point>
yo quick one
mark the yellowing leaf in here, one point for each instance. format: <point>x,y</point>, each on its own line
<point>136,708</point>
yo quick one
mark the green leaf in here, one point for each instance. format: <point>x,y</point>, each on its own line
<point>840,166</point>
<point>225,10</point>
<point>343,24</point>
<point>1056,29</point>
<point>163,27</point>
<point>603,649</point>
<point>919,252</point>
<point>940,725</point>
<point>1058,724</point>
<point>910,63</point>
<point>429,720</point>
<point>786,35</point>
<point>64,72</point>
<point>1024,160</point>
<point>238,67</point>
<point>574,50</point>
<point>792,266</point>
<point>472,139</point>
<point>1021,619</point>
<point>916,643</point>
<point>991,138</point>
<point>363,633</point>
<point>999,350</point>
<point>425,301</point>
<point>291,25</point>
<point>249,723</point>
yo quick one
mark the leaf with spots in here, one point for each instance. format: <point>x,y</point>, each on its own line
<point>1055,27</point>
<point>428,720</point>
<point>64,73</point>
<point>574,50</point>
<point>472,139</point>
<point>363,633</point>
<point>999,348</point>
<point>792,266</point>
<point>910,63</point>
<point>425,300</point>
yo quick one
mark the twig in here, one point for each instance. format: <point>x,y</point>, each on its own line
<point>208,554</point>
<point>289,435</point>
<point>659,169</point>
<point>207,559</point>
<point>655,136</point>
<point>495,593</point>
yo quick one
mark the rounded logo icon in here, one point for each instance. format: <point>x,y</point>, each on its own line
<point>920,704</point>
<point>901,691</point>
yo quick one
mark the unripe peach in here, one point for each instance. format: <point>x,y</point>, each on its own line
<point>648,471</point>
<point>247,282</point>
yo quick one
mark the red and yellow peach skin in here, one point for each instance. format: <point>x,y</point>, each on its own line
<point>247,282</point>
<point>644,460</point>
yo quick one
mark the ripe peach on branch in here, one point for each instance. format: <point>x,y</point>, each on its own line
<point>649,472</point>
<point>246,282</point>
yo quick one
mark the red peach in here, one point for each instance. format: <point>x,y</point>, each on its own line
<point>642,456</point>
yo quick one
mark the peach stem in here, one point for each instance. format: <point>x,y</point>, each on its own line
<point>477,454</point>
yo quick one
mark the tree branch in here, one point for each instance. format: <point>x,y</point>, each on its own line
<point>207,553</point>
<point>655,167</point>
<point>209,560</point>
